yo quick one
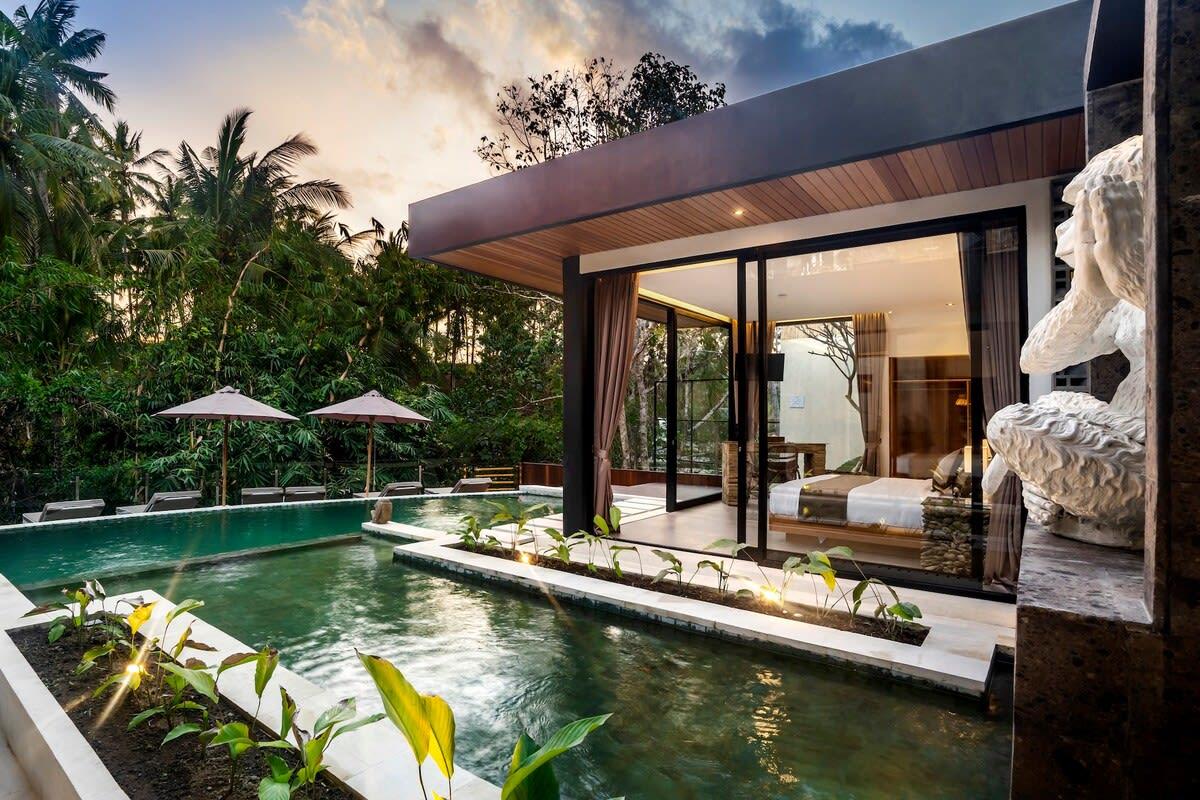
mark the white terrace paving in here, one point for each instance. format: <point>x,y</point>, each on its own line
<point>956,655</point>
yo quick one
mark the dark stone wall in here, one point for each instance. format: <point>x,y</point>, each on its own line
<point>1172,129</point>
<point>1107,687</point>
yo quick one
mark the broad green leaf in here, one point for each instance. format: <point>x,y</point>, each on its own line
<point>90,656</point>
<point>288,712</point>
<point>138,617</point>
<point>817,557</point>
<point>358,723</point>
<point>182,729</point>
<point>441,730</point>
<point>601,523</point>
<point>33,612</point>
<point>614,516</point>
<point>541,784</point>
<point>145,715</point>
<point>178,648</point>
<point>570,735</point>
<point>730,546</point>
<point>279,768</point>
<point>183,607</point>
<point>402,702</point>
<point>268,660</point>
<point>841,551</point>
<point>235,660</point>
<point>344,710</point>
<point>56,631</point>
<point>905,610</point>
<point>201,681</point>
<point>272,789</point>
<point>234,734</point>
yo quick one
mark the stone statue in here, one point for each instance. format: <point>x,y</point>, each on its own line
<point>1082,461</point>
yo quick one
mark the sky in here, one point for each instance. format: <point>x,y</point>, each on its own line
<point>397,93</point>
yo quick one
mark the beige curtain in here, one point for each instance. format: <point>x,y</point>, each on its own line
<point>870,355</point>
<point>616,301</point>
<point>1001,340</point>
<point>753,384</point>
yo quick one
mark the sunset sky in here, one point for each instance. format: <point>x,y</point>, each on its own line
<point>397,92</point>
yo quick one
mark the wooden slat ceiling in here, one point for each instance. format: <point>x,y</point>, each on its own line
<point>1036,150</point>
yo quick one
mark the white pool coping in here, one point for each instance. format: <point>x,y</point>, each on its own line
<point>957,655</point>
<point>23,527</point>
<point>375,761</point>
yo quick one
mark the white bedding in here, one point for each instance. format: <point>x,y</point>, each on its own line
<point>885,501</point>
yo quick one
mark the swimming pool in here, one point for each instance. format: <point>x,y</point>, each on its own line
<point>34,555</point>
<point>694,717</point>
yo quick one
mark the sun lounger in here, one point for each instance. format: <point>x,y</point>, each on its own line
<point>165,501</point>
<point>262,494</point>
<point>396,489</point>
<point>295,494</point>
<point>465,485</point>
<point>65,509</point>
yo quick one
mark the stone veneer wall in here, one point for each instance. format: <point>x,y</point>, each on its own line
<point>1107,685</point>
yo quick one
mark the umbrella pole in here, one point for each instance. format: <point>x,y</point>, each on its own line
<point>370,453</point>
<point>225,465</point>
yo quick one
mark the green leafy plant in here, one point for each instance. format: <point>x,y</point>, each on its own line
<point>673,566</point>
<point>519,516</point>
<point>472,534</point>
<point>729,547</point>
<point>77,607</point>
<point>561,546</point>
<point>332,723</point>
<point>427,724</point>
<point>615,551</point>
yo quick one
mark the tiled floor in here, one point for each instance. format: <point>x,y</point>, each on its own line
<point>694,528</point>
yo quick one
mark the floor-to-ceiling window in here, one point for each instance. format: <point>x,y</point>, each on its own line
<point>841,390</point>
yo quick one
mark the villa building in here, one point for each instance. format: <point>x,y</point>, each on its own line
<point>865,253</point>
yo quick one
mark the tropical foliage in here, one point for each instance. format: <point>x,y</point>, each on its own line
<point>135,278</point>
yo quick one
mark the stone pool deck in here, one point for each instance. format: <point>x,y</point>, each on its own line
<point>957,655</point>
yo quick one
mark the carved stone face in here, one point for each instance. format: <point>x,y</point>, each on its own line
<point>1105,227</point>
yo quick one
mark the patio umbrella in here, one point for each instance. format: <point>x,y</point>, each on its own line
<point>226,404</point>
<point>370,408</point>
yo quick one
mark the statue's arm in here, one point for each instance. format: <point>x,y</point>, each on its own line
<point>1074,331</point>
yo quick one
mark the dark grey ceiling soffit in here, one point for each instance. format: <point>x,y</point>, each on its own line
<point>1116,42</point>
<point>1027,69</point>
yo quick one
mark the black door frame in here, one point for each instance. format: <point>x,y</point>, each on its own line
<point>577,349</point>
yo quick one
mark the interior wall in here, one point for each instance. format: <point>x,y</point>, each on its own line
<point>1034,196</point>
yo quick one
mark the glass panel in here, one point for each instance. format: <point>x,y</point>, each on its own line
<point>639,449</point>
<point>702,403</point>
<point>871,378</point>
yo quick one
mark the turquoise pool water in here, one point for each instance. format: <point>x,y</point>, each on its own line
<point>33,555</point>
<point>694,717</point>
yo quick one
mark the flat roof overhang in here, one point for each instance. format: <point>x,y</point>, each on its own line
<point>996,106</point>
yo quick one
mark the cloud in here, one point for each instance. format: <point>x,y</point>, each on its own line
<point>791,45</point>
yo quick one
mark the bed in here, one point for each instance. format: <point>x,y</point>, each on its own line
<point>892,506</point>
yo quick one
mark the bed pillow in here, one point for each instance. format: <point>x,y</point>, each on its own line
<point>946,473</point>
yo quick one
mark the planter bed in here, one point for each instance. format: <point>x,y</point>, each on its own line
<point>183,769</point>
<point>903,632</point>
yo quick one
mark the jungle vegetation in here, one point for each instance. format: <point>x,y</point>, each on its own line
<point>134,277</point>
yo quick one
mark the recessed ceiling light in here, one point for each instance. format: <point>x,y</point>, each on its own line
<point>889,312</point>
<point>949,305</point>
<point>782,294</point>
<point>737,212</point>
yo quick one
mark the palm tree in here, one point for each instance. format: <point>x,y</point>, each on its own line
<point>248,198</point>
<point>46,145</point>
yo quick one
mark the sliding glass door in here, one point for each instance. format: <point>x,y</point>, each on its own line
<point>872,366</point>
